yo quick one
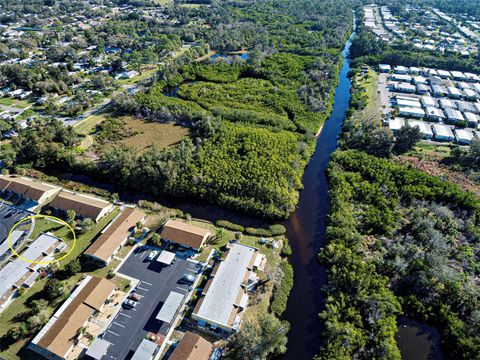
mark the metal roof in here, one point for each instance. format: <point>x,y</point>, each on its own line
<point>170,307</point>
<point>98,348</point>
<point>166,257</point>
<point>145,350</point>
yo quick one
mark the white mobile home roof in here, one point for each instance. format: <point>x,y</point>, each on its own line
<point>219,301</point>
<point>442,131</point>
<point>405,87</point>
<point>145,350</point>
<point>453,114</point>
<point>458,75</point>
<point>469,93</point>
<point>401,77</point>
<point>444,74</point>
<point>425,129</point>
<point>401,69</point>
<point>435,112</point>
<point>454,91</point>
<point>445,103</point>
<point>166,257</point>
<point>408,103</point>
<point>170,307</point>
<point>16,269</point>
<point>471,117</point>
<point>412,111</point>
<point>472,77</point>
<point>428,101</point>
<point>420,80</point>
<point>385,67</point>
<point>98,348</point>
<point>396,124</point>
<point>463,136</point>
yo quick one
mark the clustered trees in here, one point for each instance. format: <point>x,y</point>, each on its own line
<point>398,240</point>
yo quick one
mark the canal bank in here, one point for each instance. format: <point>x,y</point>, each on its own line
<point>306,230</point>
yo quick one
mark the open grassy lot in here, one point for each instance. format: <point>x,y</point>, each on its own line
<point>21,104</point>
<point>369,82</point>
<point>149,134</point>
<point>86,126</point>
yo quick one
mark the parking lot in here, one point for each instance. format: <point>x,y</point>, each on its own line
<point>130,326</point>
<point>9,216</point>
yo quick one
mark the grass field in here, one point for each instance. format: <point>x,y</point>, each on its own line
<point>149,134</point>
<point>373,108</point>
<point>21,104</point>
<point>88,125</point>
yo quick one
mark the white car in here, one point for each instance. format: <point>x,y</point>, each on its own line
<point>152,255</point>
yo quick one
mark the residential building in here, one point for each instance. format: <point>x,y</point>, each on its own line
<point>463,136</point>
<point>84,205</point>
<point>411,112</point>
<point>396,124</point>
<point>454,93</point>
<point>224,297</point>
<point>453,115</point>
<point>145,351</point>
<point>19,273</point>
<point>192,347</point>
<point>458,75</point>
<point>57,338</point>
<point>115,235</point>
<point>443,132</point>
<point>435,114</point>
<point>184,234</point>
<point>439,90</point>
<point>473,119</point>
<point>34,191</point>
<point>446,104</point>
<point>424,128</point>
<point>405,88</point>
<point>400,77</point>
<point>428,101</point>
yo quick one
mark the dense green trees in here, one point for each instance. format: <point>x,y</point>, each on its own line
<point>397,236</point>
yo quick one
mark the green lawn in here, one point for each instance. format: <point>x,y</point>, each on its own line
<point>373,110</point>
<point>22,104</point>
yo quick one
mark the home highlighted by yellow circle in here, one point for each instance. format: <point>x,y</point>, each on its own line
<point>54,218</point>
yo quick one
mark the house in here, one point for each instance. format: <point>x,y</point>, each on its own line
<point>57,338</point>
<point>470,94</point>
<point>403,102</point>
<point>396,124</point>
<point>444,74</point>
<point>83,205</point>
<point>411,112</point>
<point>454,93</point>
<point>35,191</point>
<point>428,101</point>
<point>424,128</point>
<point>459,76</point>
<point>224,298</point>
<point>446,104</point>
<point>439,90</point>
<point>192,347</point>
<point>115,235</point>
<point>420,80</point>
<point>400,70</point>
<point>464,106</point>
<point>453,115</point>
<point>442,133</point>
<point>401,78</point>
<point>435,114</point>
<point>472,119</point>
<point>463,136</point>
<point>405,88</point>
<point>422,89</point>
<point>184,234</point>
<point>18,273</point>
<point>145,351</point>
<point>472,77</point>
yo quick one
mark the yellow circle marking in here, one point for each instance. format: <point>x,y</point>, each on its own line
<point>38,217</point>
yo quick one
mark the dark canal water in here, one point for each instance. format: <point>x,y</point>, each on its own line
<point>306,231</point>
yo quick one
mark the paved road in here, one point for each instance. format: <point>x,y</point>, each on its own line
<point>130,326</point>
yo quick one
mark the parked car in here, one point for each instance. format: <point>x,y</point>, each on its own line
<point>134,297</point>
<point>129,303</point>
<point>152,255</point>
<point>187,279</point>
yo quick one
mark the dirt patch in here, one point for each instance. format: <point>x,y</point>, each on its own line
<point>435,169</point>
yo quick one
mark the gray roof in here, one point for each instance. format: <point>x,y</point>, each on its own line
<point>145,350</point>
<point>16,269</point>
<point>221,296</point>
<point>98,348</point>
<point>170,307</point>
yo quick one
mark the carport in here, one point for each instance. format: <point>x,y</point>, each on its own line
<point>170,307</point>
<point>166,257</point>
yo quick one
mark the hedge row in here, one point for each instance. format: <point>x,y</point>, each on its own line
<point>282,289</point>
<point>273,230</point>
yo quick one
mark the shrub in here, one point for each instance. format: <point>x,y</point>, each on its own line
<point>258,232</point>
<point>282,289</point>
<point>286,250</point>
<point>277,229</point>
<point>229,225</point>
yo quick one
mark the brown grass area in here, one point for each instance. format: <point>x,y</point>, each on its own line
<point>148,134</point>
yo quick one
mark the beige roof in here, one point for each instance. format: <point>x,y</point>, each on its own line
<point>108,242</point>
<point>184,234</point>
<point>83,205</point>
<point>29,188</point>
<point>192,347</point>
<point>60,336</point>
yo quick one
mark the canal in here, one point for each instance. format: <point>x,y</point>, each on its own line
<point>306,231</point>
